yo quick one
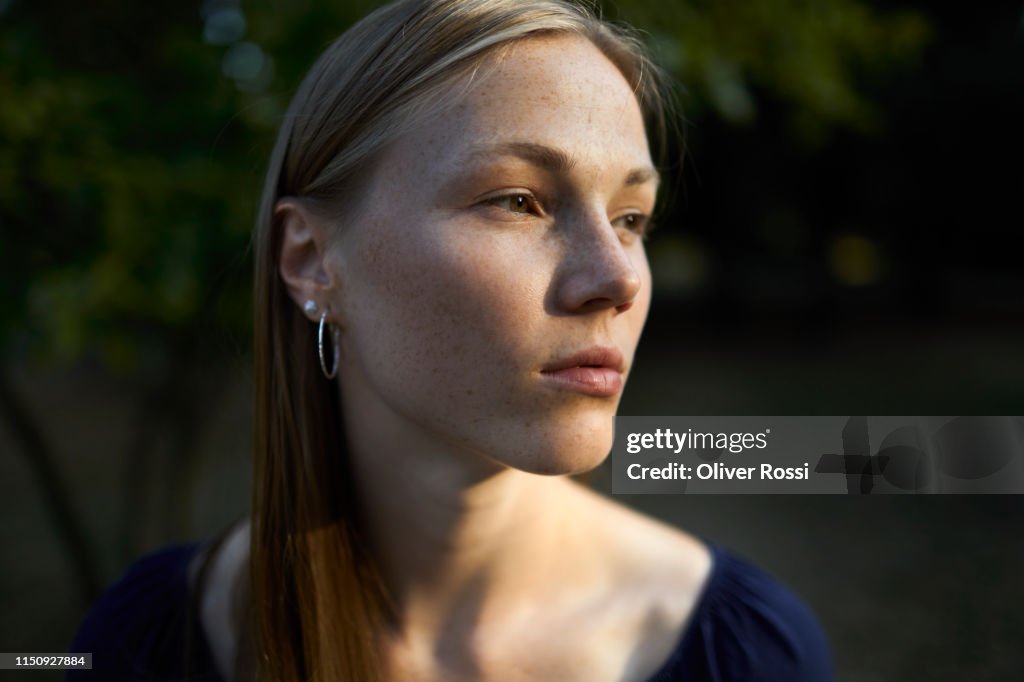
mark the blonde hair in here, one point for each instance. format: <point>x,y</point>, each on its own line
<point>317,603</point>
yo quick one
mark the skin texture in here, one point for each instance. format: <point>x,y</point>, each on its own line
<point>455,297</point>
<point>491,242</point>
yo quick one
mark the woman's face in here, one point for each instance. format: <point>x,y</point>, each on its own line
<point>493,284</point>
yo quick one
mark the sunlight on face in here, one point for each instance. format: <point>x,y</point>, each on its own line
<point>494,284</point>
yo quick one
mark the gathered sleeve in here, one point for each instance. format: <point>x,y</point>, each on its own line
<point>749,627</point>
<point>142,627</point>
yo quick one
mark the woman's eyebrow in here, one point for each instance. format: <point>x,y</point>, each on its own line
<point>640,176</point>
<point>548,158</point>
<point>552,159</point>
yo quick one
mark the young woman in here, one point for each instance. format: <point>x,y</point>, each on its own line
<point>450,286</point>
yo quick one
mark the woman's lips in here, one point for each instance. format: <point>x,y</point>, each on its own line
<point>596,381</point>
<point>595,371</point>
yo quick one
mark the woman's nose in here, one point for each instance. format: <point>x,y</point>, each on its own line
<point>597,271</point>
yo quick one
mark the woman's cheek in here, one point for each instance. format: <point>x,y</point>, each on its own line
<point>436,296</point>
<point>487,282</point>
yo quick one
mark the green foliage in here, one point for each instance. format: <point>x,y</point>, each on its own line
<point>131,150</point>
<point>813,55</point>
<point>120,212</point>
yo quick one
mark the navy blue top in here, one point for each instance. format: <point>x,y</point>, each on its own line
<point>746,627</point>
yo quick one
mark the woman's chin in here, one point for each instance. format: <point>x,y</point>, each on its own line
<point>565,452</point>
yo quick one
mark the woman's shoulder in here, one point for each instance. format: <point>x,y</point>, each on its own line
<point>708,612</point>
<point>143,626</point>
<point>748,626</point>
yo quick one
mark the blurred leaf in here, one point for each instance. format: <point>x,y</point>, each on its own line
<point>812,54</point>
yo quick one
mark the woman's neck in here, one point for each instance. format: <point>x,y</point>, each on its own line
<point>459,539</point>
<point>452,548</point>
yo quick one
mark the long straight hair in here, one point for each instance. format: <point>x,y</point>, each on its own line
<point>317,603</point>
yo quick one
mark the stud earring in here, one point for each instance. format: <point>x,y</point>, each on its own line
<point>310,307</point>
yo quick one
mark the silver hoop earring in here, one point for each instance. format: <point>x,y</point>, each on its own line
<point>333,372</point>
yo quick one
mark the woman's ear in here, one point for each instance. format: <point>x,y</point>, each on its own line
<point>303,261</point>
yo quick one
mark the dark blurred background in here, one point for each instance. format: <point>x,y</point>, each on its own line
<point>842,238</point>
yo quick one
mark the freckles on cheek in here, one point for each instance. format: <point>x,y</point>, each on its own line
<point>431,286</point>
<point>491,291</point>
<point>469,298</point>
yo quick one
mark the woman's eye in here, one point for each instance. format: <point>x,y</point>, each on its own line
<point>634,222</point>
<point>515,203</point>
